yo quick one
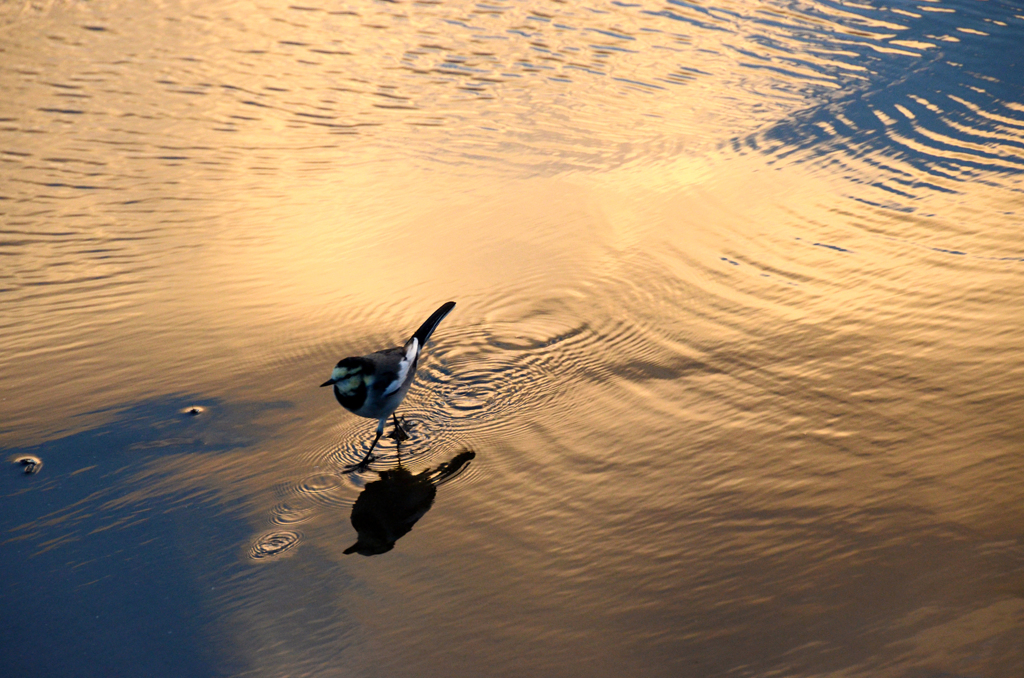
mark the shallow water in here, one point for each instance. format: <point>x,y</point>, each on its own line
<point>737,344</point>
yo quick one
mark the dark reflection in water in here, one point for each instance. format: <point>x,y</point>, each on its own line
<point>389,507</point>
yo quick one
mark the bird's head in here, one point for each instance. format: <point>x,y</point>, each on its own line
<point>349,374</point>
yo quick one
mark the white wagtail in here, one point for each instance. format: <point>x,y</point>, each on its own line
<point>374,385</point>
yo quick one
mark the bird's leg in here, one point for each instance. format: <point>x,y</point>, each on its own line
<point>399,434</point>
<point>369,455</point>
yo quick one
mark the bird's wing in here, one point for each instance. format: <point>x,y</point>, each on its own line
<point>412,350</point>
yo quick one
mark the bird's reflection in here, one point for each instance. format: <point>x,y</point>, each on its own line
<point>388,507</point>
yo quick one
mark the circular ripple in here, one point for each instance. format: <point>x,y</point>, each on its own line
<point>500,373</point>
<point>325,489</point>
<point>525,360</point>
<point>291,513</point>
<point>319,483</point>
<point>273,544</point>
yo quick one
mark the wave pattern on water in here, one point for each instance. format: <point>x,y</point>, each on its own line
<point>923,129</point>
<point>466,82</point>
<point>745,367</point>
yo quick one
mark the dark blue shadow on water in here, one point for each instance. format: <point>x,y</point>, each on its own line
<point>110,567</point>
<point>945,108</point>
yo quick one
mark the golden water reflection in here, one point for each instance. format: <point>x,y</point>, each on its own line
<point>737,336</point>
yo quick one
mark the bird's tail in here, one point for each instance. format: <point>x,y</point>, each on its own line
<point>450,469</point>
<point>427,328</point>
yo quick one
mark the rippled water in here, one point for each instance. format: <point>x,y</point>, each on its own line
<point>737,348</point>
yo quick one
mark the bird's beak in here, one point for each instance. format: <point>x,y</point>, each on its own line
<point>328,382</point>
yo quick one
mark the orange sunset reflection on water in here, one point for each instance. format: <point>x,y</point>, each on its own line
<point>731,386</point>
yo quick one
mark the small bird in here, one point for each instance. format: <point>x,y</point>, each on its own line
<point>374,385</point>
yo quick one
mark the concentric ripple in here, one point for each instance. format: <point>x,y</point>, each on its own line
<point>274,544</point>
<point>323,489</point>
<point>504,373</point>
<point>291,512</point>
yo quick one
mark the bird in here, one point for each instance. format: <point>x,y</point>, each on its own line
<point>374,385</point>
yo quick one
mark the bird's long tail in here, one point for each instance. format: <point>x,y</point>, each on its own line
<point>450,469</point>
<point>427,328</point>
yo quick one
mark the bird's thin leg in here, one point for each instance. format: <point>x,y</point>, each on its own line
<point>369,455</point>
<point>380,432</point>
<point>399,433</point>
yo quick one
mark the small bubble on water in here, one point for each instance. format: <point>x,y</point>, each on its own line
<point>30,463</point>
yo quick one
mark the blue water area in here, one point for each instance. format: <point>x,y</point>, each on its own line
<point>106,570</point>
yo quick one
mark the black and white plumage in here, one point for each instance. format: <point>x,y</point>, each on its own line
<point>374,385</point>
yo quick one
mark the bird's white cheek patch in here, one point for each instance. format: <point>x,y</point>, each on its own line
<point>350,385</point>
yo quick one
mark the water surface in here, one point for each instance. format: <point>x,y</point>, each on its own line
<point>737,343</point>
